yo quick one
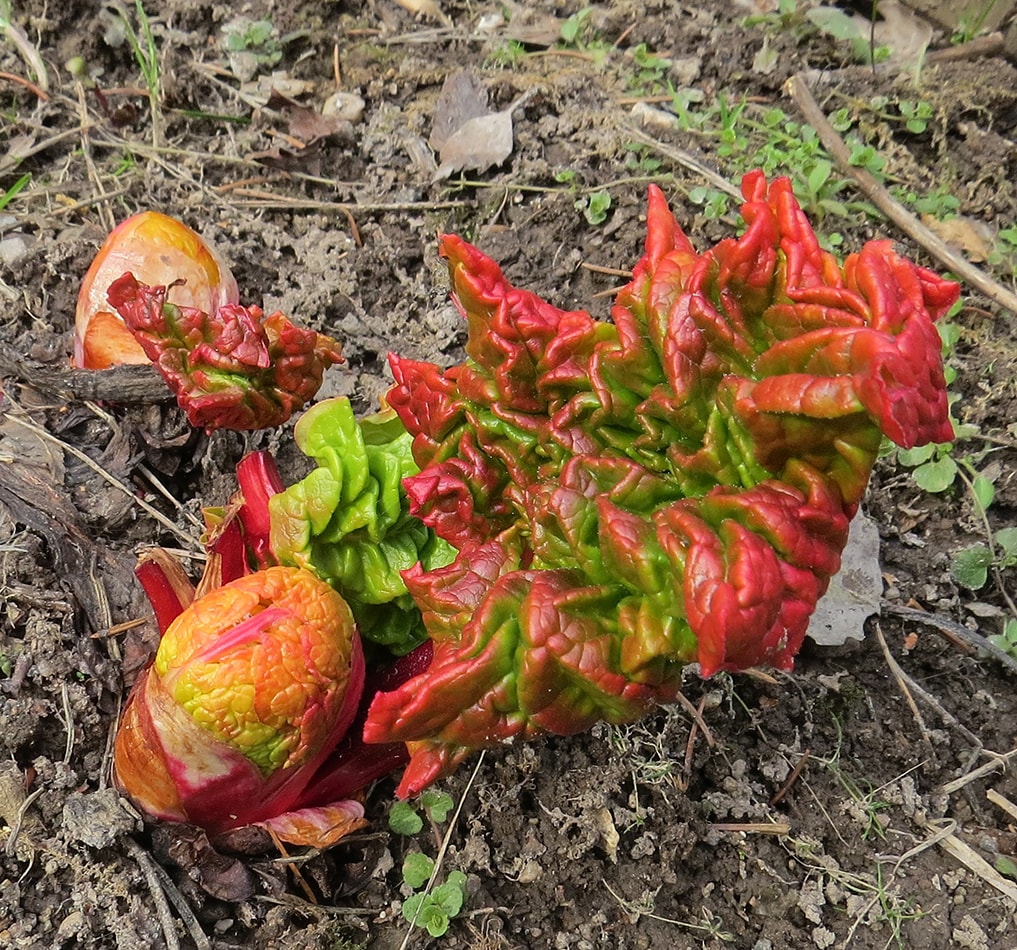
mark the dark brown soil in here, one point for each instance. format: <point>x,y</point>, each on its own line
<point>804,810</point>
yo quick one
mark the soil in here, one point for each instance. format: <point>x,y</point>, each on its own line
<point>812,809</point>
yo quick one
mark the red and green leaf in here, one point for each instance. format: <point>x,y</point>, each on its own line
<point>671,487</point>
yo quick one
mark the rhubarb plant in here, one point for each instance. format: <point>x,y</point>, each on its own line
<point>672,487</point>
<point>252,711</point>
<point>157,249</point>
<point>347,521</point>
<point>234,368</point>
<point>252,687</point>
<point>157,292</point>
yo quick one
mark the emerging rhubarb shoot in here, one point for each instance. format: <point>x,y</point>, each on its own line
<point>158,250</point>
<point>233,368</point>
<point>253,687</point>
<point>673,487</point>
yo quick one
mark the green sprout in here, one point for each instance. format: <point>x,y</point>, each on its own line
<point>404,819</point>
<point>594,206</point>
<point>146,55</point>
<point>432,909</point>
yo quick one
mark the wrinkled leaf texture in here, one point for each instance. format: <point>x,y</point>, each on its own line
<point>346,521</point>
<point>232,369</point>
<point>673,487</point>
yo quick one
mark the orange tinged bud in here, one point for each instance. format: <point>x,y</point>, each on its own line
<point>158,250</point>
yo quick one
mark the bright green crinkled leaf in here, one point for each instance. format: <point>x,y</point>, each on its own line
<point>348,520</point>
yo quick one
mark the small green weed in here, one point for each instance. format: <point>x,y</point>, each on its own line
<point>916,115</point>
<point>594,206</point>
<point>577,30</point>
<point>802,20</point>
<point>146,55</point>
<point>939,203</point>
<point>715,204</point>
<point>434,908</point>
<point>431,905</point>
<point>257,36</point>
<point>404,819</point>
<point>1004,864</point>
<point>971,565</point>
<point>1007,640</point>
<point>650,73</point>
<point>641,160</point>
<point>508,55</point>
<point>971,22</point>
<point>749,137</point>
<point>579,33</point>
<point>252,45</point>
<point>1003,254</point>
<point>11,193</point>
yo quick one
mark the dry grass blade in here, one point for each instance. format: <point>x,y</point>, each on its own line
<point>998,761</point>
<point>1002,802</point>
<point>753,827</point>
<point>686,160</point>
<point>910,688</point>
<point>973,861</point>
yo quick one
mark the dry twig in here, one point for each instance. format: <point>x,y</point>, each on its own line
<point>885,202</point>
<point>910,689</point>
<point>162,887</point>
<point>947,626</point>
<point>115,482</point>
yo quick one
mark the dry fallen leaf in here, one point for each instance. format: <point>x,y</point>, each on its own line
<point>961,233</point>
<point>477,145</point>
<point>462,98</point>
<point>464,133</point>
<point>854,592</point>
<point>305,122</point>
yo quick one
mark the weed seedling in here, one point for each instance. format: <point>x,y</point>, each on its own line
<point>594,206</point>
<point>431,905</point>
<point>433,909</point>
<point>146,55</point>
<point>404,819</point>
<point>1006,641</point>
<point>971,565</point>
<point>970,23</point>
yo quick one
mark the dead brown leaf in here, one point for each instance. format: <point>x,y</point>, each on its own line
<point>465,133</point>
<point>961,233</point>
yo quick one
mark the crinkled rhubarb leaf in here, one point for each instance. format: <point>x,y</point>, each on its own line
<point>672,487</point>
<point>347,521</point>
<point>231,369</point>
<point>252,688</point>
